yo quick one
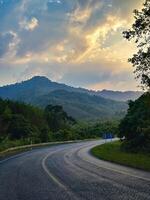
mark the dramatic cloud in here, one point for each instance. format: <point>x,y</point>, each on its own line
<point>77,42</point>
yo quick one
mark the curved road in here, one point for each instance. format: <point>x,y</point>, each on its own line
<point>69,172</point>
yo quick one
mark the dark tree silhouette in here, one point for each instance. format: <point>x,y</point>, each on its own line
<point>140,33</point>
<point>136,125</point>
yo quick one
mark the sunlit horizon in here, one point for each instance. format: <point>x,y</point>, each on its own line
<point>75,42</point>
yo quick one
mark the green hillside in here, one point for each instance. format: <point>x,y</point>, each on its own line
<point>83,106</point>
<point>80,103</point>
<point>22,124</point>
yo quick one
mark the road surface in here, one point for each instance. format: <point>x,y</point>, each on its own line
<point>69,172</point>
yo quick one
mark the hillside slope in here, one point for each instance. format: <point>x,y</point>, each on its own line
<point>79,105</point>
<point>40,85</point>
<point>77,102</point>
<point>120,96</point>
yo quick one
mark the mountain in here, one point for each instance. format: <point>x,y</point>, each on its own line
<point>35,86</point>
<point>77,102</point>
<point>82,105</point>
<point>40,85</point>
<point>120,96</point>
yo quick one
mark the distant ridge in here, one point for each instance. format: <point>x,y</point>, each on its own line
<point>119,95</point>
<point>43,85</point>
<point>78,102</point>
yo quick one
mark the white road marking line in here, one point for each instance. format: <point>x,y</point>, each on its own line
<point>50,174</point>
<point>111,169</point>
<point>56,179</point>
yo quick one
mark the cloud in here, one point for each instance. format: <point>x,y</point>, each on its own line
<point>100,75</point>
<point>88,44</point>
<point>77,42</point>
<point>80,16</point>
<point>5,40</point>
<point>83,12</point>
<point>8,43</point>
<point>29,25</point>
<point>55,1</point>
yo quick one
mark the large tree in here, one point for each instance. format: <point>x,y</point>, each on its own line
<point>140,33</point>
<point>136,125</point>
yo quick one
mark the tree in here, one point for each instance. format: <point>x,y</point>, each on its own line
<point>45,134</point>
<point>136,125</point>
<point>19,127</point>
<point>140,33</point>
<point>57,118</point>
<point>7,114</point>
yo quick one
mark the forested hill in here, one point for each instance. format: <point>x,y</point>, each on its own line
<point>40,85</point>
<point>19,121</point>
<point>83,106</point>
<point>78,103</point>
<point>119,95</point>
<point>37,86</point>
<point>22,124</point>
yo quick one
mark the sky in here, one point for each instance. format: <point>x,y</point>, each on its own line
<point>76,42</point>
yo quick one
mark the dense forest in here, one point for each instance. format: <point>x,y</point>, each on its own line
<point>25,124</point>
<point>136,125</point>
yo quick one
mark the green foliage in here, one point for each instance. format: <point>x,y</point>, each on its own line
<point>57,118</point>
<point>19,127</point>
<point>140,32</point>
<point>82,106</point>
<point>95,129</point>
<point>136,125</point>
<point>114,153</point>
<point>64,135</point>
<point>45,134</point>
<point>25,123</point>
<point>19,121</point>
<point>7,143</point>
<point>22,124</point>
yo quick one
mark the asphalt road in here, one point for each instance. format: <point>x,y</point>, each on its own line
<point>69,172</point>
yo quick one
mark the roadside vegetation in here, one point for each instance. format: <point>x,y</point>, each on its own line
<point>135,127</point>
<point>113,152</point>
<point>22,124</point>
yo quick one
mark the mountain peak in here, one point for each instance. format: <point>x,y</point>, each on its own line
<point>39,78</point>
<point>41,85</point>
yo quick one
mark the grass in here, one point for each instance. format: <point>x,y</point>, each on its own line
<point>112,152</point>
